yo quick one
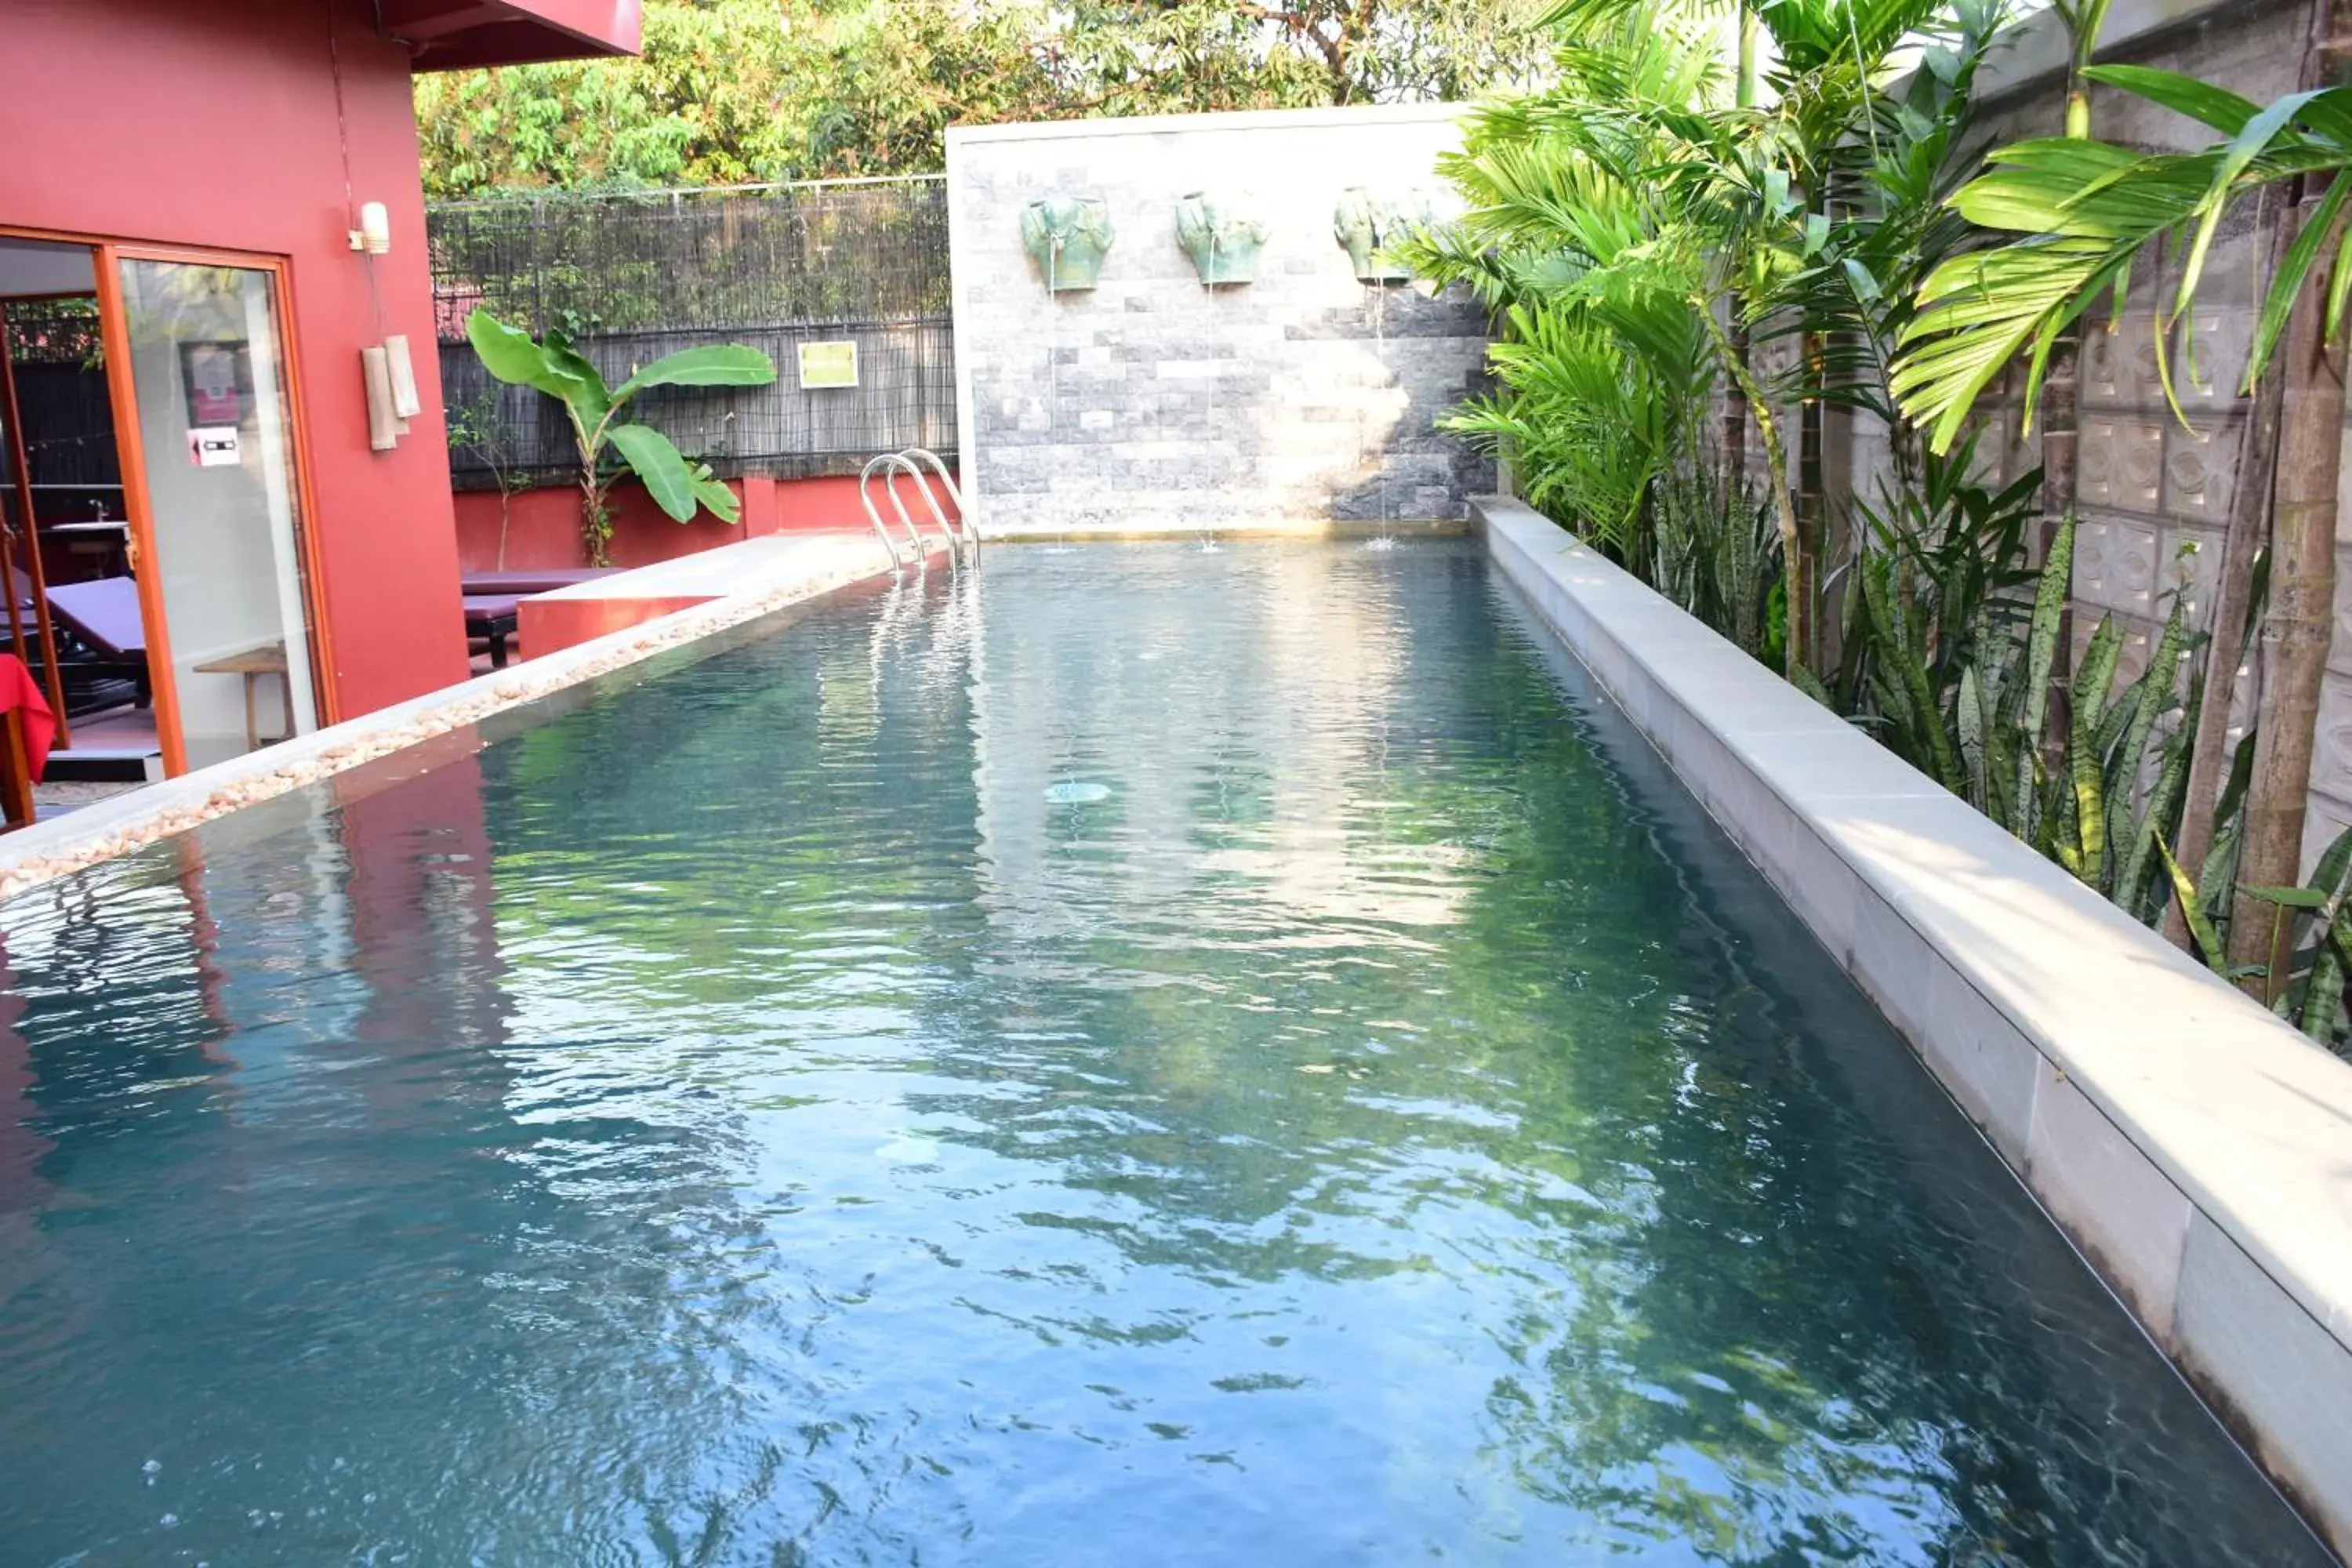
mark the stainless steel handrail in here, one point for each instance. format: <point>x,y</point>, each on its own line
<point>938,517</point>
<point>893,464</point>
<point>955,491</point>
<point>874,514</point>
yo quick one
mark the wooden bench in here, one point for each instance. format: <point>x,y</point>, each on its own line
<point>254,663</point>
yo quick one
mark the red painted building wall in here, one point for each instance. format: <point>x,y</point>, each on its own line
<point>540,528</point>
<point>261,125</point>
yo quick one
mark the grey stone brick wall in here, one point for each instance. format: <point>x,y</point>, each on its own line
<point>1153,403</point>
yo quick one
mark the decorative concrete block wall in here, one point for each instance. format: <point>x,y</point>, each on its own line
<point>2153,489</point>
<point>1153,403</point>
<point>2152,492</point>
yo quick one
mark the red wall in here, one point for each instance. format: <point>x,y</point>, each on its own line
<point>217,122</point>
<point>542,527</point>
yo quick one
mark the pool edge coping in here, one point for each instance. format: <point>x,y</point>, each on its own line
<point>121,825</point>
<point>2158,1126</point>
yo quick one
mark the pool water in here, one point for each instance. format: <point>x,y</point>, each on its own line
<point>1130,1056</point>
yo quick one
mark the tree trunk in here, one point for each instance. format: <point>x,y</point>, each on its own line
<point>1812,502</point>
<point>2226,631</point>
<point>2300,616</point>
<point>1797,627</point>
<point>595,518</point>
<point>1735,397</point>
<point>1735,402</point>
<point>1750,79</point>
<point>2061,440</point>
<point>2297,623</point>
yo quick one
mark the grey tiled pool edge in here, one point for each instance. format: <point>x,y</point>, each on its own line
<point>772,574</point>
<point>2198,1150</point>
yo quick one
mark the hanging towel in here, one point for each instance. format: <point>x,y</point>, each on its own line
<point>19,690</point>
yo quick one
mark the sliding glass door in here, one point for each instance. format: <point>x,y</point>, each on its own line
<point>218,555</point>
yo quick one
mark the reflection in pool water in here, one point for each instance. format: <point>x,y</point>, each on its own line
<point>754,1118</point>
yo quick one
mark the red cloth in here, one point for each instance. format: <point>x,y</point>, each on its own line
<point>19,690</point>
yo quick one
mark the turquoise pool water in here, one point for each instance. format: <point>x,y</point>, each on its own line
<point>1141,1056</point>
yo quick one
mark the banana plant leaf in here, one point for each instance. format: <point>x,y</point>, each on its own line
<point>713,364</point>
<point>666,475</point>
<point>509,354</point>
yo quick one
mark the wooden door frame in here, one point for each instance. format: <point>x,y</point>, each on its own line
<point>20,460</point>
<point>114,331</point>
<point>115,327</point>
<point>327,706</point>
<point>43,624</point>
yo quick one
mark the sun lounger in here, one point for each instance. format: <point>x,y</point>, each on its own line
<point>491,597</point>
<point>102,640</point>
<point>544,579</point>
<point>491,618</point>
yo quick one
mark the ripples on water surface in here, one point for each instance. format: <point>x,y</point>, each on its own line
<point>1147,1057</point>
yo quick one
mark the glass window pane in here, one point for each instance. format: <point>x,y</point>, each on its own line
<point>208,369</point>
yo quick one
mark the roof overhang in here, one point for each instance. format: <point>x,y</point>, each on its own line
<point>451,35</point>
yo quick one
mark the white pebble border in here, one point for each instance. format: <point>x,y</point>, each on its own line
<point>73,842</point>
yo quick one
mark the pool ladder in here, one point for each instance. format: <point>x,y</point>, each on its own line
<point>890,466</point>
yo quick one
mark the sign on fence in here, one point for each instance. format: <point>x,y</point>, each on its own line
<point>829,364</point>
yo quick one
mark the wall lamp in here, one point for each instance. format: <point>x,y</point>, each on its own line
<point>374,234</point>
<point>384,368</point>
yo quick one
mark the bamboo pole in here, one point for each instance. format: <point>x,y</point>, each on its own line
<point>2226,632</point>
<point>2299,618</point>
<point>53,679</point>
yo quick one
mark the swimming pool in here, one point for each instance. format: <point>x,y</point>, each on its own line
<point>1133,1054</point>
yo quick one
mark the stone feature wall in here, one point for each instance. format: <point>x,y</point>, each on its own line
<point>1152,403</point>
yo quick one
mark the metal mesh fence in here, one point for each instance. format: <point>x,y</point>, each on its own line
<point>632,278</point>
<point>59,366</point>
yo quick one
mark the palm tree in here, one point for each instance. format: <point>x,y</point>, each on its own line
<point>2061,433</point>
<point>2087,213</point>
<point>1704,199</point>
<point>1604,360</point>
<point>1832,65</point>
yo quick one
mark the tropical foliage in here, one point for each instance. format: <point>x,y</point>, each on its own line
<point>2090,211</point>
<point>2081,217</point>
<point>1640,230</point>
<point>1679,254</point>
<point>609,445</point>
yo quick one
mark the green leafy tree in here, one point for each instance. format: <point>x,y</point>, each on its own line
<point>1335,51</point>
<point>610,446</point>
<point>729,91</point>
<point>1605,358</point>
